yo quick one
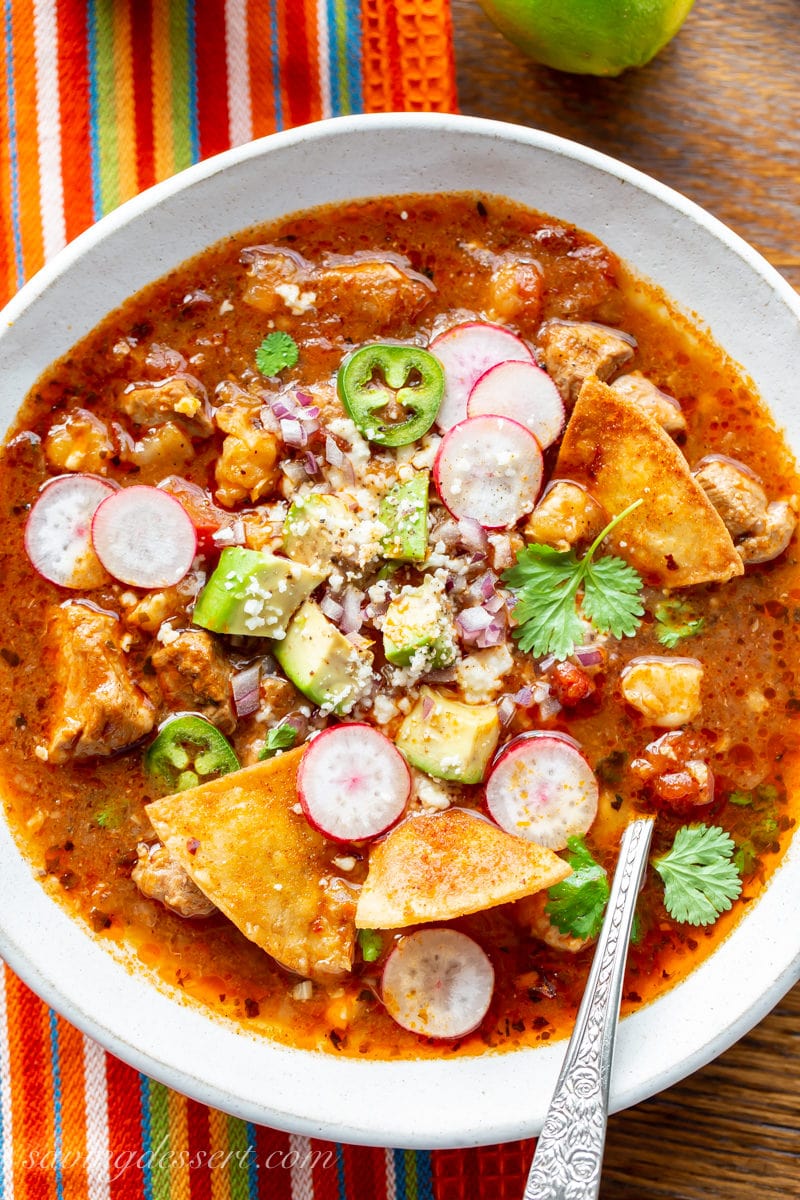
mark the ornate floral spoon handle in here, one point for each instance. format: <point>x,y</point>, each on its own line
<point>569,1153</point>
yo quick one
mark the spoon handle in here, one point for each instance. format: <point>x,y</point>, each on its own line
<point>569,1153</point>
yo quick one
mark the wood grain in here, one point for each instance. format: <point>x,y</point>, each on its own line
<point>717,116</point>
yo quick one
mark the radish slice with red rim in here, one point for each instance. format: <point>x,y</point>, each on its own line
<point>144,537</point>
<point>542,789</point>
<point>353,783</point>
<point>466,352</point>
<point>58,533</point>
<point>438,983</point>
<point>523,392</point>
<point>490,469</point>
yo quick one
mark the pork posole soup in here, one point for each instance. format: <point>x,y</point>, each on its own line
<point>362,579</point>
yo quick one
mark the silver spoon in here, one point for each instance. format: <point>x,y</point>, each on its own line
<point>569,1153</point>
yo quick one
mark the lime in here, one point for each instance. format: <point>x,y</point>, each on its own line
<point>589,37</point>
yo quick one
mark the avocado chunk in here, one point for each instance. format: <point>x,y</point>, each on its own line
<point>321,663</point>
<point>404,512</point>
<point>315,528</point>
<point>253,593</point>
<point>418,625</point>
<point>449,740</point>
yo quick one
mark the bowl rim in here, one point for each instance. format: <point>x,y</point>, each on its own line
<point>372,1128</point>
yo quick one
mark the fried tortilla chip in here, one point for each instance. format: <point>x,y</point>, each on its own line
<point>446,864</point>
<point>263,865</point>
<point>620,453</point>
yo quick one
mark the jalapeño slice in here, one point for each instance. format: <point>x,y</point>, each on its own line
<point>392,393</point>
<point>188,751</point>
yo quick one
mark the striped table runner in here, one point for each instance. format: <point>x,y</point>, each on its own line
<point>100,99</point>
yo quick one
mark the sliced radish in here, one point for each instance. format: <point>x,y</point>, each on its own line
<point>466,352</point>
<point>490,469</point>
<point>541,788</point>
<point>353,783</point>
<point>438,982</point>
<point>144,537</point>
<point>58,534</point>
<point>523,392</point>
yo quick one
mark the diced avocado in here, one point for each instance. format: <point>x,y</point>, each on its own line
<point>447,739</point>
<point>418,625</point>
<point>315,528</point>
<point>404,512</point>
<point>253,593</point>
<point>320,661</point>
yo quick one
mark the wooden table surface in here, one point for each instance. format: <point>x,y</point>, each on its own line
<point>717,116</point>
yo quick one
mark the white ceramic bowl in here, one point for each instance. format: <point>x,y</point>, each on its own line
<point>707,270</point>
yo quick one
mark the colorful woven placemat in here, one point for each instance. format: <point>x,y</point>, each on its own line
<point>98,100</point>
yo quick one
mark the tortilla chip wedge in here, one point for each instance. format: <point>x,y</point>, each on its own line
<point>263,865</point>
<point>448,864</point>
<point>675,538</point>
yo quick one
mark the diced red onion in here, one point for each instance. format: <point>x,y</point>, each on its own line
<point>590,656</point>
<point>293,433</point>
<point>311,463</point>
<point>524,697</point>
<point>442,675</point>
<point>484,586</point>
<point>333,454</point>
<point>197,297</point>
<point>245,686</point>
<point>161,358</point>
<point>473,535</point>
<point>299,723</point>
<point>331,608</point>
<point>492,635</point>
<point>230,535</point>
<point>374,609</point>
<point>506,709</point>
<point>427,707</point>
<point>311,409</point>
<point>473,620</point>
<point>356,639</point>
<point>547,663</point>
<point>549,707</point>
<point>495,604</point>
<point>294,471</point>
<point>352,617</point>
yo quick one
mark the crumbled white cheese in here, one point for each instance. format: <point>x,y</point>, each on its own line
<point>41,753</point>
<point>480,674</point>
<point>296,301</point>
<point>433,795</point>
<point>167,634</point>
<point>345,862</point>
<point>384,709</point>
<point>225,307</point>
<point>360,453</point>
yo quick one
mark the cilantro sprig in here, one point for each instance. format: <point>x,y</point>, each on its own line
<point>700,879</point>
<point>547,582</point>
<point>577,904</point>
<point>277,351</point>
<point>371,944</point>
<point>280,737</point>
<point>675,621</point>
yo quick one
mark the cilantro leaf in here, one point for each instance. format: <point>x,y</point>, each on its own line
<point>611,597</point>
<point>577,904</point>
<point>546,582</point>
<point>371,944</point>
<point>700,880</point>
<point>675,621</point>
<point>280,737</point>
<point>277,351</point>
